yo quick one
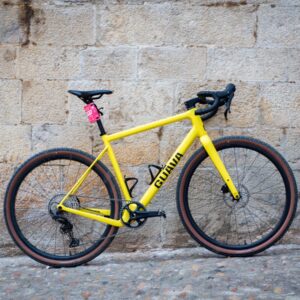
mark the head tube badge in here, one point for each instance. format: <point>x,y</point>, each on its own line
<point>92,112</point>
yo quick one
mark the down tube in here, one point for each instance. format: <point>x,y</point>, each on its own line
<point>170,165</point>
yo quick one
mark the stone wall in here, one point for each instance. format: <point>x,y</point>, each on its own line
<point>154,55</point>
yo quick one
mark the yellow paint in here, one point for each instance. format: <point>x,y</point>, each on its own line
<point>197,130</point>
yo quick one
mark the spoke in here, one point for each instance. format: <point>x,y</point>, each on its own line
<point>264,211</point>
<point>82,235</point>
<point>34,230</point>
<point>212,173</point>
<point>263,200</point>
<point>202,206</point>
<point>247,226</point>
<point>54,173</point>
<point>245,160</point>
<point>33,217</point>
<point>92,241</point>
<point>236,226</point>
<point>265,178</point>
<point>267,206</point>
<point>49,180</point>
<point>215,209</point>
<point>44,236</point>
<point>78,221</point>
<point>42,188</point>
<point>34,188</point>
<point>61,176</point>
<point>220,195</point>
<point>266,193</point>
<point>67,171</point>
<point>257,217</point>
<point>55,238</point>
<point>250,166</point>
<point>87,184</point>
<point>252,216</point>
<point>237,172</point>
<point>64,244</point>
<point>212,181</point>
<point>275,184</point>
<point>229,214</point>
<point>31,193</point>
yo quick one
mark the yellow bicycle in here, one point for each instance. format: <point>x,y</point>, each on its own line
<point>236,195</point>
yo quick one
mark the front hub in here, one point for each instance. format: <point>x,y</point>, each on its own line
<point>237,203</point>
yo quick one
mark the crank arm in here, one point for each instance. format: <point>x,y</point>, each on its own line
<point>149,214</point>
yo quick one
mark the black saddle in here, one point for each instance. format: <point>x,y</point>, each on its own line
<point>88,96</point>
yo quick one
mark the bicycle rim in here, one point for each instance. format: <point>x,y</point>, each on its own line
<point>262,215</point>
<point>31,200</point>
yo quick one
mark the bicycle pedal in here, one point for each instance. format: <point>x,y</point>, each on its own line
<point>150,214</point>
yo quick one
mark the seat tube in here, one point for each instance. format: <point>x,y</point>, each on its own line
<point>116,168</point>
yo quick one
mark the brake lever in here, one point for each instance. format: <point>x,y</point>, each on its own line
<point>227,106</point>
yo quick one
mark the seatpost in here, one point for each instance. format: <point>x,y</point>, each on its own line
<point>101,128</point>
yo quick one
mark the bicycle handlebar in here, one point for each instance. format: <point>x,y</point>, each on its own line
<point>219,98</point>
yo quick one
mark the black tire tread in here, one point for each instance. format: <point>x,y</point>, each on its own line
<point>50,151</point>
<point>201,151</point>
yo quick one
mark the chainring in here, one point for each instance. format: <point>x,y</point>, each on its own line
<point>132,208</point>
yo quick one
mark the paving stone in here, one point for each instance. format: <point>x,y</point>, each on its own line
<point>160,274</point>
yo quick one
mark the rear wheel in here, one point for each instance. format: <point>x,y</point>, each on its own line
<point>262,215</point>
<point>55,238</point>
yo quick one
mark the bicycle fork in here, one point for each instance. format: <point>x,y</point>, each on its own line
<point>214,156</point>
<point>218,163</point>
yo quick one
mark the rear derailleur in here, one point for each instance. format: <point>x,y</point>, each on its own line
<point>67,229</point>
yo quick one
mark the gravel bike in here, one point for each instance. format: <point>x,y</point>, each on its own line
<point>236,195</point>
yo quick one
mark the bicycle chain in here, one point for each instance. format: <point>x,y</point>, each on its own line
<point>121,201</point>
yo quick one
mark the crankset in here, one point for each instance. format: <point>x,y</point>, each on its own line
<point>138,215</point>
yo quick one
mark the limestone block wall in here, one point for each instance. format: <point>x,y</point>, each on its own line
<point>153,55</point>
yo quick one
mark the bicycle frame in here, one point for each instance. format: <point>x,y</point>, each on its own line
<point>197,130</point>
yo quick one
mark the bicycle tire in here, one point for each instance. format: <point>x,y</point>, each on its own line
<point>28,213</point>
<point>210,228</point>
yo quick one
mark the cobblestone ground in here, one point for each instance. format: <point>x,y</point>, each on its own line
<point>165,274</point>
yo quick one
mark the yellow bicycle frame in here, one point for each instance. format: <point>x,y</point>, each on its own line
<point>197,130</point>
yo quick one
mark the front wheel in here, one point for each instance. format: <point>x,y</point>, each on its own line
<point>55,238</point>
<point>258,219</point>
